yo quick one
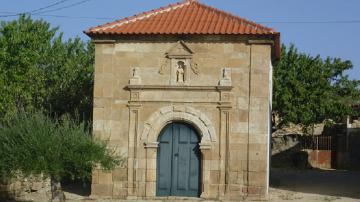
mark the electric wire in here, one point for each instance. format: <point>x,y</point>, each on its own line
<point>35,10</point>
<point>42,13</point>
<point>40,10</point>
<point>49,6</point>
<point>64,7</point>
<point>113,18</point>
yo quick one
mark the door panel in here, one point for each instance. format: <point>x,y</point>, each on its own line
<point>178,161</point>
<point>181,163</point>
<point>194,179</point>
<point>164,162</point>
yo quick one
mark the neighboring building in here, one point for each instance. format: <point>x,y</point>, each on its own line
<point>183,92</point>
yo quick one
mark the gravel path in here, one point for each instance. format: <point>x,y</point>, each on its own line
<point>286,186</point>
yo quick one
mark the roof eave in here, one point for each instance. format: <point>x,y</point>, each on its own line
<point>276,38</point>
<point>277,46</point>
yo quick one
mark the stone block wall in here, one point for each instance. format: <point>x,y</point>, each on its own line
<point>230,111</point>
<point>17,188</point>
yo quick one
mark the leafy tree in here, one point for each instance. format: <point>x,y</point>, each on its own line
<point>22,44</point>
<point>308,90</point>
<point>69,82</point>
<point>39,70</point>
<point>32,143</point>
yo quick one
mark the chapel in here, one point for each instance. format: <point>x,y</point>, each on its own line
<point>183,94</point>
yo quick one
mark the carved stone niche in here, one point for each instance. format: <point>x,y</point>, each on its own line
<point>179,59</point>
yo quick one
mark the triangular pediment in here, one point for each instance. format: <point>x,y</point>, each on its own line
<point>179,50</point>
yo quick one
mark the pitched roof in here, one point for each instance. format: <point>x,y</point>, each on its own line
<point>186,17</point>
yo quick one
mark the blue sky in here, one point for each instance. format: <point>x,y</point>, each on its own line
<point>334,29</point>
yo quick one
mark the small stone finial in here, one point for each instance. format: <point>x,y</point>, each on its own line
<point>135,76</point>
<point>135,72</point>
<point>225,74</point>
<point>225,77</point>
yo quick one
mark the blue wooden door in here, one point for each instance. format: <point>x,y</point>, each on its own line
<point>178,161</point>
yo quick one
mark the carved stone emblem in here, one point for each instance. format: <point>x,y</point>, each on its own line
<point>164,65</point>
<point>179,63</point>
<point>194,67</point>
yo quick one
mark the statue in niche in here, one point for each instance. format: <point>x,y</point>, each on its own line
<point>180,72</point>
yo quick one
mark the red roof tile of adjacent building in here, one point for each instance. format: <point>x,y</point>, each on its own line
<point>187,17</point>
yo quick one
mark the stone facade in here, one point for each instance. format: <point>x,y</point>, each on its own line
<point>219,85</point>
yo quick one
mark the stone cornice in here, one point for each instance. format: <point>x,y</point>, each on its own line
<point>103,41</point>
<point>185,88</point>
<point>252,41</point>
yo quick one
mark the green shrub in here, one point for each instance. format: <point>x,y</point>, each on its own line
<point>33,143</point>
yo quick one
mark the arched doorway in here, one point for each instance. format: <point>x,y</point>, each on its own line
<point>178,161</point>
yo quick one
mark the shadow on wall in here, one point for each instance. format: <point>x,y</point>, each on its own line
<point>349,150</point>
<point>292,157</point>
<point>16,188</point>
<point>287,152</point>
<point>5,193</point>
<point>303,151</point>
<point>78,187</point>
<point>22,190</point>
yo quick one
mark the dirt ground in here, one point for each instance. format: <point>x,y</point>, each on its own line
<point>286,186</point>
<point>280,195</point>
<point>314,185</point>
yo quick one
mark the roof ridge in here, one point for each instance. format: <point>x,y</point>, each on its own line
<point>228,14</point>
<point>142,15</point>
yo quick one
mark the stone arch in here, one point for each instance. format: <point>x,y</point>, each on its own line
<point>159,119</point>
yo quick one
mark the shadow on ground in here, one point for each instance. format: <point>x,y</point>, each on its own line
<point>292,171</point>
<point>78,187</point>
<point>315,181</point>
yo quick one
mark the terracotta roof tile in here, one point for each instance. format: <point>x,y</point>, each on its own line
<point>187,17</point>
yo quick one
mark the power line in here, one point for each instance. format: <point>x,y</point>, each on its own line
<point>61,8</point>
<point>65,16</point>
<point>276,22</point>
<point>314,22</point>
<point>355,21</point>
<point>35,10</point>
<point>49,6</point>
<point>76,17</point>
